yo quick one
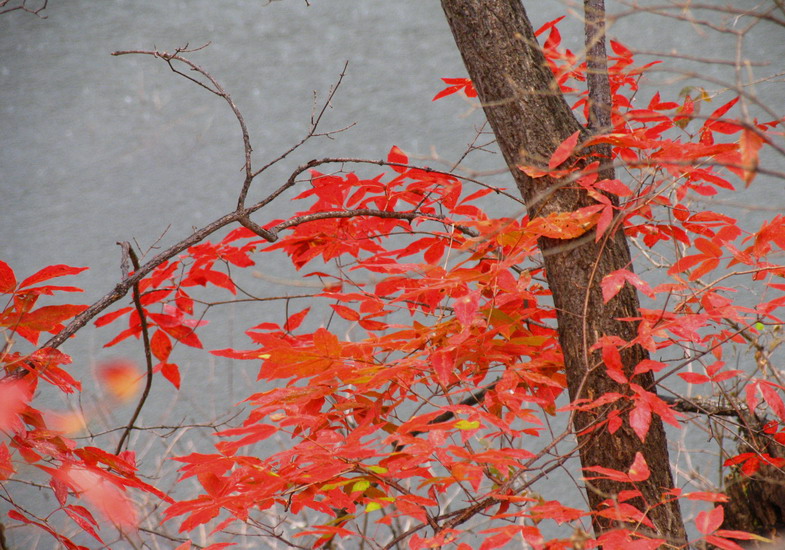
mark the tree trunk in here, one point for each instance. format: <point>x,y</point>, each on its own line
<point>530,118</point>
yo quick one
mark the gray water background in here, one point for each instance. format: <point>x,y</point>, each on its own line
<point>97,149</point>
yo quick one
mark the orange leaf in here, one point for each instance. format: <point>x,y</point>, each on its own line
<point>160,345</point>
<point>614,186</point>
<point>612,283</point>
<point>456,85</point>
<point>704,268</point>
<point>685,263</point>
<point>183,334</point>
<point>347,313</point>
<point>774,400</point>
<point>47,318</point>
<point>640,419</point>
<point>749,143</point>
<point>14,397</point>
<point>707,496</point>
<point>443,364</point>
<point>70,422</point>
<point>295,320</point>
<point>6,466</point>
<point>606,217</point>
<point>565,225</point>
<point>109,499</point>
<point>466,307</point>
<point>111,316</point>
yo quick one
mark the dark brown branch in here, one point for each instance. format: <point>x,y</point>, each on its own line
<point>246,222</point>
<point>530,118</point>
<point>411,216</point>
<point>129,252</point>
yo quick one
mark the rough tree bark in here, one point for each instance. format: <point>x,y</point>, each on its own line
<point>530,118</point>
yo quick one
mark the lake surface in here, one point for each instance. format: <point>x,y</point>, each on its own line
<point>96,149</point>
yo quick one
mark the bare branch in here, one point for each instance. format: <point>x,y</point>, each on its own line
<point>311,131</point>
<point>148,357</point>
<point>216,89</point>
<point>23,7</point>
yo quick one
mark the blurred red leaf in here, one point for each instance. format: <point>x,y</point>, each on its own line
<point>120,377</point>
<point>709,521</point>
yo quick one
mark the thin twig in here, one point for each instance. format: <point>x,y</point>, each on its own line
<point>23,7</point>
<point>313,127</point>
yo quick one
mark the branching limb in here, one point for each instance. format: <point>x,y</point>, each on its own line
<point>122,288</point>
<point>23,7</point>
<point>215,88</point>
<point>312,131</point>
<point>411,216</point>
<point>704,405</point>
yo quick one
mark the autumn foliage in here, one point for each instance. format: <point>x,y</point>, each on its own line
<point>418,407</point>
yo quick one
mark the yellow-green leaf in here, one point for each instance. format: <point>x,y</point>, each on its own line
<point>372,507</point>
<point>467,425</point>
<point>360,486</point>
